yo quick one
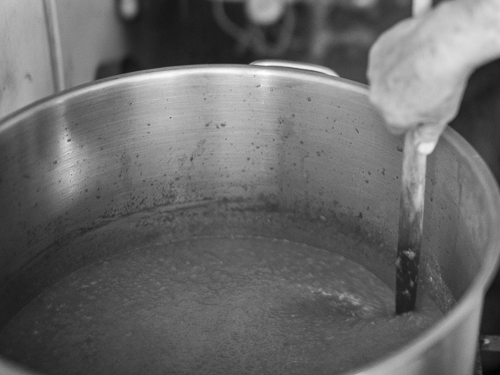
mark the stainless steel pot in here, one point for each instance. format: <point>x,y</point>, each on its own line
<point>303,140</point>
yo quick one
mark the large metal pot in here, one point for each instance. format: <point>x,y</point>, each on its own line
<point>304,141</point>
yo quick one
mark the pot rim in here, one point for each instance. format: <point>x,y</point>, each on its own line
<point>428,338</point>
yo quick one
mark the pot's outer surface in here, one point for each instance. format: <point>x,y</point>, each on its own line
<point>304,140</point>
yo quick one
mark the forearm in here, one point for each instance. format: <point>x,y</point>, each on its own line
<point>474,30</point>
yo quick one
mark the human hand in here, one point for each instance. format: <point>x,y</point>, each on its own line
<point>417,75</point>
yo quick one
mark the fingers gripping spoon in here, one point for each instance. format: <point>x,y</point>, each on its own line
<point>411,212</point>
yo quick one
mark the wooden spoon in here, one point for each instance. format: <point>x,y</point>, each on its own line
<point>411,212</point>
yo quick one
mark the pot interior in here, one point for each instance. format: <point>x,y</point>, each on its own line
<point>230,153</point>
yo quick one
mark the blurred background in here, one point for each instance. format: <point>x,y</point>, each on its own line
<point>51,45</point>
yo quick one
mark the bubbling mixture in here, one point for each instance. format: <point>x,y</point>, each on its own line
<point>213,305</point>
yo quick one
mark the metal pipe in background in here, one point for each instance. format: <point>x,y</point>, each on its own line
<point>56,59</point>
<point>420,6</point>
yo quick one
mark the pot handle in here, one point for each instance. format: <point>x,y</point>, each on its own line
<point>296,65</point>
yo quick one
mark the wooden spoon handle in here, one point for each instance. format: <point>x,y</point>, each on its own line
<point>410,225</point>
